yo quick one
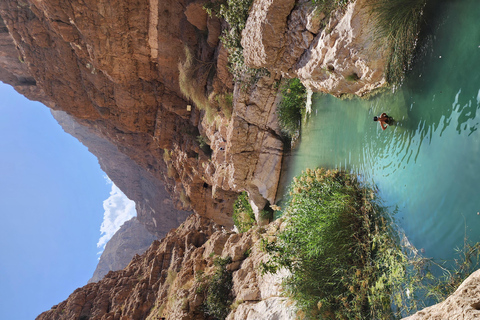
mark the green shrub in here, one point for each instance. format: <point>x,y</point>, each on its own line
<point>192,81</point>
<point>398,22</point>
<point>292,107</point>
<point>353,77</point>
<point>243,215</point>
<point>224,101</point>
<point>341,248</point>
<point>219,293</point>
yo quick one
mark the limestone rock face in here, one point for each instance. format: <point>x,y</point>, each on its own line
<point>463,304</point>
<point>341,58</point>
<point>248,149</point>
<point>113,67</point>
<point>132,238</point>
<point>263,38</point>
<point>14,70</point>
<point>170,278</point>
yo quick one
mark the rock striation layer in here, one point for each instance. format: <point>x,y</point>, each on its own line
<point>132,238</point>
<point>169,281</point>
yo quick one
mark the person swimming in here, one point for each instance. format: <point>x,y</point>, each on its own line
<point>384,120</point>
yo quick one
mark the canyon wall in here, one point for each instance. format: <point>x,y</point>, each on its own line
<point>113,67</point>
<point>170,279</point>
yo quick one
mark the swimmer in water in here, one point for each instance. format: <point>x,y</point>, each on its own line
<point>384,120</point>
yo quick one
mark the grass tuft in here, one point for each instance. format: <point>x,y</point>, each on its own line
<point>191,81</point>
<point>398,22</point>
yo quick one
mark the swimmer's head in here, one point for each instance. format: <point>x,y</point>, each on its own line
<point>375,118</point>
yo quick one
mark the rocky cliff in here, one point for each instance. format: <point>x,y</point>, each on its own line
<point>113,67</point>
<point>332,52</point>
<point>171,279</point>
<point>132,238</point>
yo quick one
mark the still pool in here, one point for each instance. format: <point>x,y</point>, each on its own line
<point>427,166</point>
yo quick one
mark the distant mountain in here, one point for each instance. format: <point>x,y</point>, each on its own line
<point>131,239</point>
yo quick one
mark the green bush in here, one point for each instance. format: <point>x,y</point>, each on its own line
<point>243,215</point>
<point>353,77</point>
<point>292,107</point>
<point>219,293</point>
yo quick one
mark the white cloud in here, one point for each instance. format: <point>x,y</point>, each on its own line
<point>118,209</point>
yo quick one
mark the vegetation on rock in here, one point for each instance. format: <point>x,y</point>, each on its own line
<point>292,107</point>
<point>345,255</point>
<point>243,215</point>
<point>192,79</point>
<point>235,13</point>
<point>219,292</point>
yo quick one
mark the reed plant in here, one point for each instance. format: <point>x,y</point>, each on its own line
<point>292,106</point>
<point>345,256</point>
<point>191,85</point>
<point>398,22</point>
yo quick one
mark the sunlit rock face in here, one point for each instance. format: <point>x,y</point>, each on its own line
<point>169,279</point>
<point>132,238</point>
<point>336,54</point>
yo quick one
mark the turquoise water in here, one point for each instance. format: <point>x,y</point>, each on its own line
<point>427,165</point>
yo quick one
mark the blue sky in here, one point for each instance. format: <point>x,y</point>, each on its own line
<point>53,200</point>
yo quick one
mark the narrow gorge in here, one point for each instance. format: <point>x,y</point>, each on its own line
<point>113,73</point>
